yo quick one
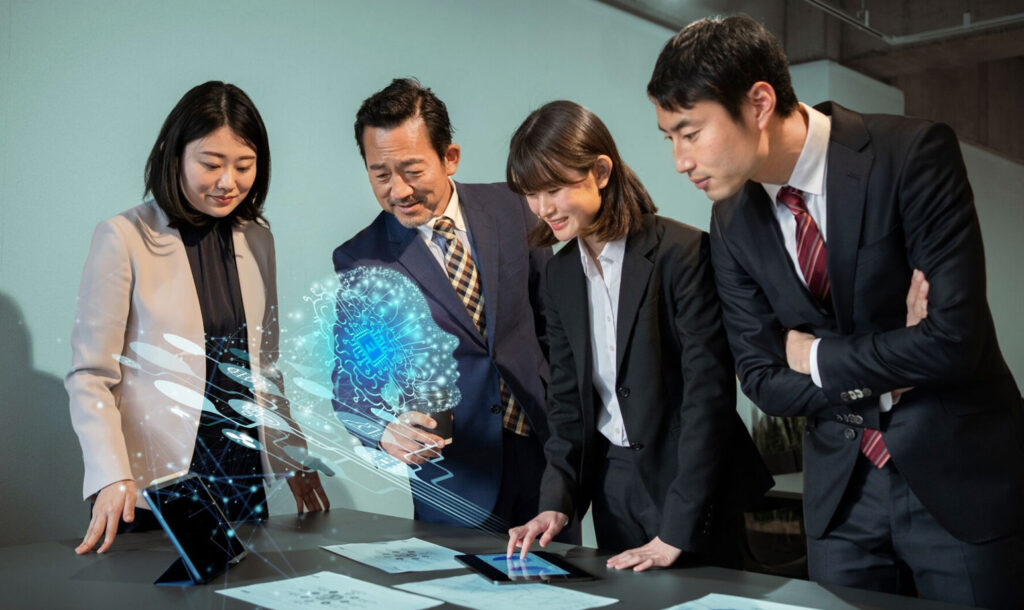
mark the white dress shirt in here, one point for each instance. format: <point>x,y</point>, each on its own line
<point>436,243</point>
<point>603,300</point>
<point>809,176</point>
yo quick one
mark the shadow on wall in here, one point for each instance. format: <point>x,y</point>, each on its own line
<point>42,465</point>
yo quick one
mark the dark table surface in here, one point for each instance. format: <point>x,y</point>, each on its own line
<point>51,575</point>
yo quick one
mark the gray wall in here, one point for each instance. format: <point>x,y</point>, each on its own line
<point>85,86</point>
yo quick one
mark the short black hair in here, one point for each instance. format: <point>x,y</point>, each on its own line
<point>201,111</point>
<point>563,135</point>
<point>404,99</point>
<point>719,60</point>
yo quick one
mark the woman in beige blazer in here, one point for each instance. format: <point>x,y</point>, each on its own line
<point>152,369</point>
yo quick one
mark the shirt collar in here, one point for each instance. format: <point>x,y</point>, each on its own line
<point>809,172</point>
<point>453,210</point>
<point>612,254</point>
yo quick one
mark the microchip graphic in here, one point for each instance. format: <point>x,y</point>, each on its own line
<point>369,347</point>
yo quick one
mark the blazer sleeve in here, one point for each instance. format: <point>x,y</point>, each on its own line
<point>708,397</point>
<point>560,483</point>
<point>943,239</point>
<point>281,462</point>
<point>756,338</point>
<point>539,258</point>
<point>97,338</point>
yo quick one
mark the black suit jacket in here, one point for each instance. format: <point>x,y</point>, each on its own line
<point>675,386</point>
<point>462,486</point>
<point>898,199</point>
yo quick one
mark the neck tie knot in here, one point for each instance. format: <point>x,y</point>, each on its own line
<point>444,227</point>
<point>793,199</point>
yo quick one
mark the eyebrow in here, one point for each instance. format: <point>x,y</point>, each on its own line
<point>682,123</point>
<point>220,156</point>
<point>403,164</point>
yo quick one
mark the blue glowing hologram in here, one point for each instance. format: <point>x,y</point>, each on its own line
<point>308,460</point>
<point>259,415</point>
<point>312,387</point>
<point>242,439</point>
<point>249,378</point>
<point>184,344</point>
<point>160,357</point>
<point>390,353</point>
<point>186,396</point>
<point>240,354</point>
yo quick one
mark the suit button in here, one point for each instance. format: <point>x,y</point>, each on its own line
<point>839,418</point>
<point>850,434</point>
<point>867,392</point>
<point>495,409</point>
<point>636,446</point>
<point>624,392</point>
<point>844,396</point>
<point>856,419</point>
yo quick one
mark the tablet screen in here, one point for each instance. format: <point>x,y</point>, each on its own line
<point>196,525</point>
<point>516,568</point>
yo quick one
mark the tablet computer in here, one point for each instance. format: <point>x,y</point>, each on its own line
<point>188,513</point>
<point>537,567</point>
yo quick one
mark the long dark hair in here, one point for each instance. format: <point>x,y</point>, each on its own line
<point>201,111</point>
<point>562,136</point>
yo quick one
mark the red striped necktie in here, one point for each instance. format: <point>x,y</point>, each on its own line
<point>810,253</point>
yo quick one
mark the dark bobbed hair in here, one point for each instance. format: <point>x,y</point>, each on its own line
<point>562,136</point>
<point>201,111</point>
<point>404,99</point>
<point>719,60</point>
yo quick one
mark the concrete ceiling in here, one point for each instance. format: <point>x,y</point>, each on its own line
<point>956,61</point>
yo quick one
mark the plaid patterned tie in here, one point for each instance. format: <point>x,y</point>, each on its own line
<point>466,282</point>
<point>810,252</point>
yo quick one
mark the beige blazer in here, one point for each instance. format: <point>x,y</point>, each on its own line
<point>138,361</point>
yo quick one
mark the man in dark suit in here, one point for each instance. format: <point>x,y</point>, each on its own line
<point>823,218</point>
<point>464,247</point>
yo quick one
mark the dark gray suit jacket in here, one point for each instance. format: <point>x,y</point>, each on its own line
<point>898,199</point>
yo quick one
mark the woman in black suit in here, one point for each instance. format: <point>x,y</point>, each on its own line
<point>642,403</point>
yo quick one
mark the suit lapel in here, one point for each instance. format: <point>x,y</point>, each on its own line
<point>762,231</point>
<point>846,190</point>
<point>250,280</point>
<point>573,304</point>
<point>486,252</point>
<point>409,250</point>
<point>637,264</point>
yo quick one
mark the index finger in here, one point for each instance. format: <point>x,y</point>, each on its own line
<point>531,533</point>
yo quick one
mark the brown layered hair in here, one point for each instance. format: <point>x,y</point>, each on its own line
<point>563,136</point>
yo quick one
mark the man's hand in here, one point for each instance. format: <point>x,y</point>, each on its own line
<point>403,441</point>
<point>654,554</point>
<point>309,493</point>
<point>917,310</point>
<point>798,351</point>
<point>917,298</point>
<point>114,502</point>
<point>548,524</point>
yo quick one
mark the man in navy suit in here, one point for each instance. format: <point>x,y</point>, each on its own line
<point>465,248</point>
<point>914,452</point>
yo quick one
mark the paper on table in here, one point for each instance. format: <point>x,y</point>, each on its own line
<point>392,556</point>
<point>326,590</point>
<point>717,601</point>
<point>474,592</point>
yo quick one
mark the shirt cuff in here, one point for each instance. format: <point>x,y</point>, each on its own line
<point>815,373</point>
<point>885,402</point>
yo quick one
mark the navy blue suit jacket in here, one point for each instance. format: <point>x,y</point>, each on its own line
<point>462,486</point>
